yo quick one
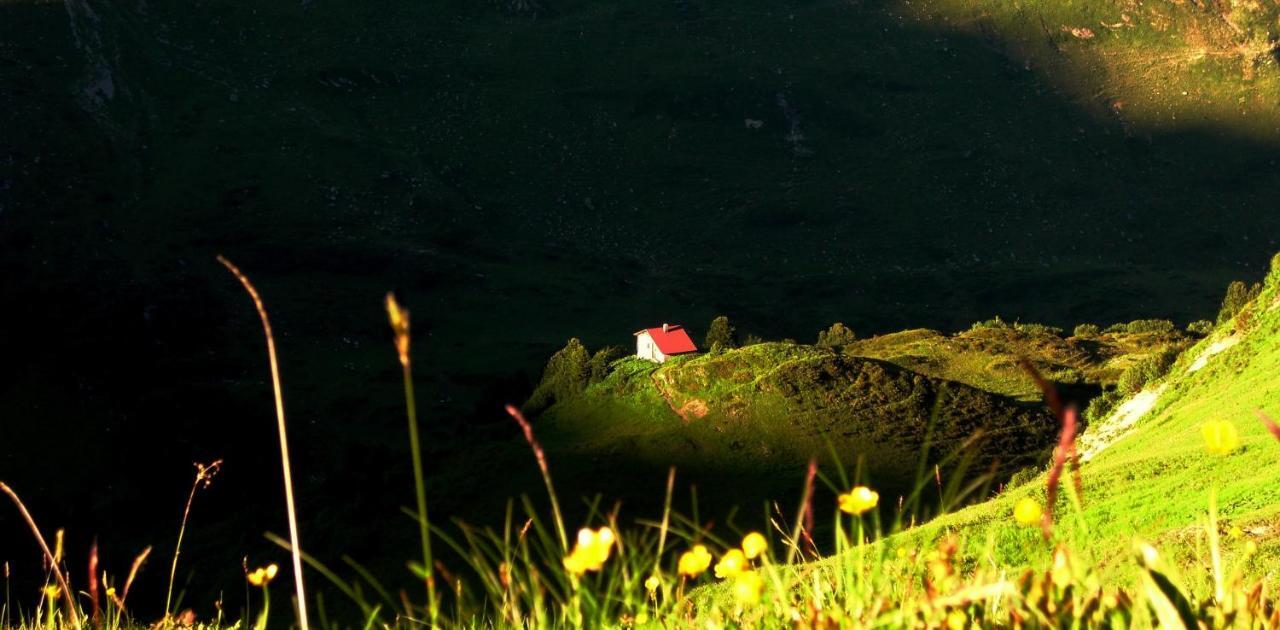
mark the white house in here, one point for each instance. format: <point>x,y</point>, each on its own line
<point>656,344</point>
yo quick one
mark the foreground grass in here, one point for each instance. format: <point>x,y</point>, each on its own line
<point>1170,525</point>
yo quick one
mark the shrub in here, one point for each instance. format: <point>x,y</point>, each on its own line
<point>1200,327</point>
<point>721,334</point>
<point>1086,330</point>
<point>837,335</point>
<point>752,340</point>
<point>994,322</point>
<point>602,362</point>
<point>1022,477</point>
<point>1037,329</point>
<point>567,374</point>
<point>1161,326</point>
<point>1238,295</point>
<point>1102,405</point>
<point>1146,370</point>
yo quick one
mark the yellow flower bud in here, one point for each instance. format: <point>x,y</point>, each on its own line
<point>1027,512</point>
<point>859,500</point>
<point>1220,437</point>
<point>731,564</point>
<point>652,583</point>
<point>693,562</point>
<point>754,544</point>
<point>591,551</point>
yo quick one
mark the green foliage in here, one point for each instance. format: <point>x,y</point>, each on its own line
<point>1023,476</point>
<point>1238,295</point>
<point>602,362</point>
<point>1140,326</point>
<point>1102,405</point>
<point>994,322</point>
<point>752,340</point>
<point>1086,331</point>
<point>1146,370</point>
<point>1037,329</point>
<point>837,335</point>
<point>567,375</point>
<point>1201,327</point>
<point>721,335</point>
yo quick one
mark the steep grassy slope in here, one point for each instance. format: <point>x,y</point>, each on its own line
<point>744,422</point>
<point>1154,482</point>
<point>987,356</point>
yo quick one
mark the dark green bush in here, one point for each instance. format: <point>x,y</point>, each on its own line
<point>1162,326</point>
<point>1146,370</point>
<point>567,374</point>
<point>1102,405</point>
<point>1085,331</point>
<point>994,322</point>
<point>1238,295</point>
<point>1037,329</point>
<point>837,335</point>
<point>1022,477</point>
<point>602,362</point>
<point>721,335</point>
<point>1200,327</point>
<point>752,340</point>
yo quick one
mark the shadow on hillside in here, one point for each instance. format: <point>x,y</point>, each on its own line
<point>519,182</point>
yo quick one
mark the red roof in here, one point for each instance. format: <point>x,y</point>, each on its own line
<point>674,340</point>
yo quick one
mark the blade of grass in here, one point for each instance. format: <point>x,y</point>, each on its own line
<point>44,546</point>
<point>399,318</point>
<point>295,548</point>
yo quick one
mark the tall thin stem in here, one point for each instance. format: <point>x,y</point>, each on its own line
<point>295,547</point>
<point>204,475</point>
<point>53,562</point>
<point>399,318</point>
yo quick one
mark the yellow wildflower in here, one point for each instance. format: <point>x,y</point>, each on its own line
<point>693,562</point>
<point>262,576</point>
<point>652,583</point>
<point>754,544</point>
<point>957,620</point>
<point>732,563</point>
<point>1220,437</point>
<point>1027,512</point>
<point>52,591</point>
<point>859,500</point>
<point>747,587</point>
<point>591,551</point>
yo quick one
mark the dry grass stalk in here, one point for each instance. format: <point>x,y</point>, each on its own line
<point>799,532</point>
<point>546,470</point>
<point>53,563</point>
<point>295,548</point>
<point>204,477</point>
<point>93,581</point>
<point>133,573</point>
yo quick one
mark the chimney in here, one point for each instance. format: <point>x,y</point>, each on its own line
<point>665,327</point>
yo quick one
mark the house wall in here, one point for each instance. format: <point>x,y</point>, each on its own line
<point>646,349</point>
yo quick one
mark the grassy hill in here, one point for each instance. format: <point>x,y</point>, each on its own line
<point>742,423</point>
<point>1153,481</point>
